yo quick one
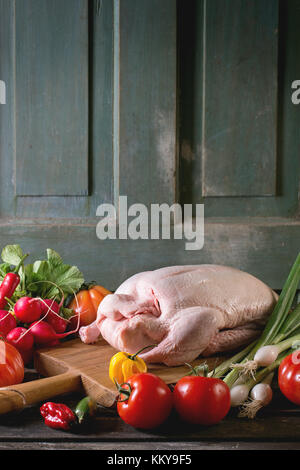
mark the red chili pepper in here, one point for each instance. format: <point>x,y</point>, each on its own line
<point>57,415</point>
<point>9,285</point>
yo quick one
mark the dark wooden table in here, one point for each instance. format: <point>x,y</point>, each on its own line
<point>276,427</point>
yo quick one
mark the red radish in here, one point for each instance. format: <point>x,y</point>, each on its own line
<point>53,343</point>
<point>59,324</point>
<point>27,309</point>
<point>26,356</point>
<point>51,309</point>
<point>44,334</point>
<point>21,338</point>
<point>7,322</point>
<point>48,304</point>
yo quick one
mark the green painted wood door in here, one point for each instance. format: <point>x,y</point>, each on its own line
<point>161,101</point>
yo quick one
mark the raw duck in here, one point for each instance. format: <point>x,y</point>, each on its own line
<point>185,310</point>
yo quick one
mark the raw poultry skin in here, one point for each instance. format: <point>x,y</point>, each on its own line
<point>185,310</point>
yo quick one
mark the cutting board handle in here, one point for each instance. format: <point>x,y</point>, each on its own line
<point>16,397</point>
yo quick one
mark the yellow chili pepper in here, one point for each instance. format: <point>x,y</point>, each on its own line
<point>123,365</point>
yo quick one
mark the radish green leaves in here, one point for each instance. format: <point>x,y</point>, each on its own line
<point>47,278</point>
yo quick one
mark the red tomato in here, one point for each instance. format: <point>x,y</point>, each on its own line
<point>11,365</point>
<point>86,305</point>
<point>149,404</point>
<point>51,310</point>
<point>289,377</point>
<point>201,400</point>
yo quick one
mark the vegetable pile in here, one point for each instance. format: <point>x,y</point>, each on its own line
<point>145,401</point>
<point>45,301</point>
<point>249,373</point>
<point>202,397</point>
<point>49,279</point>
<point>35,298</point>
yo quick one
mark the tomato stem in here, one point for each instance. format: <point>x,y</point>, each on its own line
<point>123,391</point>
<point>87,285</point>
<point>198,370</point>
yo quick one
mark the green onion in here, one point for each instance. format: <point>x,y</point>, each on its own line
<point>283,305</point>
<point>266,355</point>
<point>221,370</point>
<point>239,393</point>
<point>276,321</point>
<point>291,324</point>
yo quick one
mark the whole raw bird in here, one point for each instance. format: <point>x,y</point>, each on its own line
<point>185,310</point>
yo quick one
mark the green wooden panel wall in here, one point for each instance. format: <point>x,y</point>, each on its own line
<point>51,97</point>
<point>147,101</point>
<point>265,248</point>
<point>7,110</point>
<point>239,98</point>
<point>228,146</point>
<point>98,124</point>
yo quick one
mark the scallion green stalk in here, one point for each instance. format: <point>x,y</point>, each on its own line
<point>290,326</point>
<point>223,368</point>
<point>276,319</point>
<point>283,305</point>
<point>267,354</point>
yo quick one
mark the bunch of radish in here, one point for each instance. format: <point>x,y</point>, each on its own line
<point>41,325</point>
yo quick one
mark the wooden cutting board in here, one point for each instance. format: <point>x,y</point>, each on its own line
<point>75,366</point>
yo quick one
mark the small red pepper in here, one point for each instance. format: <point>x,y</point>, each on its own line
<point>9,285</point>
<point>57,415</point>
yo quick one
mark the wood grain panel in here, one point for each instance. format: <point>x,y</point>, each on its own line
<point>275,427</point>
<point>7,110</point>
<point>286,201</point>
<point>101,104</point>
<point>100,127</point>
<point>240,97</point>
<point>263,247</point>
<point>146,159</point>
<point>51,97</point>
